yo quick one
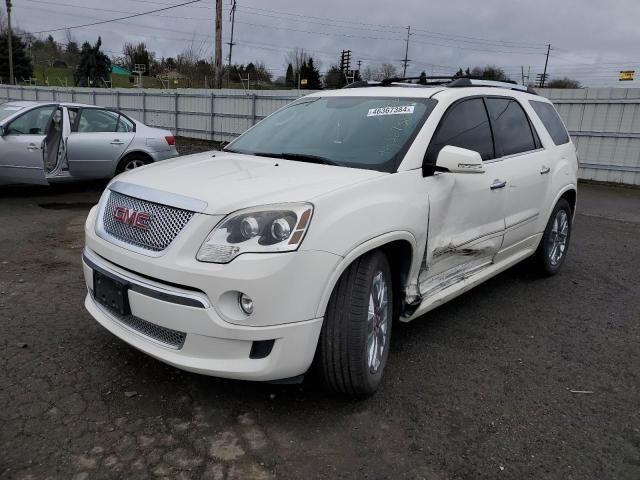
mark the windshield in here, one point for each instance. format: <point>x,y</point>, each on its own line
<point>7,110</point>
<point>361,132</point>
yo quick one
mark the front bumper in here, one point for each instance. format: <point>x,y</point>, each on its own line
<point>211,345</point>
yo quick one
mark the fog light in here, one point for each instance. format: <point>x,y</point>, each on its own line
<point>246,303</point>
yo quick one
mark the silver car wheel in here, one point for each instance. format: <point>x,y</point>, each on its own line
<point>377,321</point>
<point>135,163</point>
<point>557,243</point>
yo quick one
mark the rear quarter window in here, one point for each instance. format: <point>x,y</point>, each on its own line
<point>551,121</point>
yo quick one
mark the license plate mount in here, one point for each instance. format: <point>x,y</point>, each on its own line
<point>111,293</point>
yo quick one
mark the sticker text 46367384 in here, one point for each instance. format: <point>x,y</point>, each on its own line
<point>398,110</point>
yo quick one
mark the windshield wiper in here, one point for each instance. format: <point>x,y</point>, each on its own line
<point>303,157</point>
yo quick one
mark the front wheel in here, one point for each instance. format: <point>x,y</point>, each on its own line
<point>354,342</point>
<point>554,245</point>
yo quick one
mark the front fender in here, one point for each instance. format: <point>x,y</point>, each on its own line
<point>355,253</point>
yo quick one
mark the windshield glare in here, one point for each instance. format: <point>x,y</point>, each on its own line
<point>7,110</point>
<point>362,132</point>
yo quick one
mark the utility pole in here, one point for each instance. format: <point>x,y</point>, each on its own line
<point>231,44</point>
<point>406,52</point>
<point>544,75</point>
<point>10,43</point>
<point>218,53</point>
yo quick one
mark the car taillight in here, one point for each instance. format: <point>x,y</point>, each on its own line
<point>170,140</point>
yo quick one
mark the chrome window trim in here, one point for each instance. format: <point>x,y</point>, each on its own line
<point>143,287</point>
<point>514,155</point>
<point>158,196</point>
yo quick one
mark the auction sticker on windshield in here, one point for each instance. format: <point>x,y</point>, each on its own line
<point>399,110</point>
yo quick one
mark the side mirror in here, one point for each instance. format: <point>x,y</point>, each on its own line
<point>3,131</point>
<point>459,160</point>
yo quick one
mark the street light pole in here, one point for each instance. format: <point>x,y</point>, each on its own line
<point>10,43</point>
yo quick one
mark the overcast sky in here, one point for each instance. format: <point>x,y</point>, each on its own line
<point>590,40</point>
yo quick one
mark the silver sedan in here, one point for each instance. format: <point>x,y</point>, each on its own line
<point>47,142</point>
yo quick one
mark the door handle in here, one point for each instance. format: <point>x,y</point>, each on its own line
<point>117,142</point>
<point>544,170</point>
<point>498,184</point>
<point>33,147</point>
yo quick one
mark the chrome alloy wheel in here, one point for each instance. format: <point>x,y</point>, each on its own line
<point>557,241</point>
<point>377,321</point>
<point>131,164</point>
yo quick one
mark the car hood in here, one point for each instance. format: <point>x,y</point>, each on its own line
<point>228,181</point>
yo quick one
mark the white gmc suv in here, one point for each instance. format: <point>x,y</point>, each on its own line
<point>300,244</point>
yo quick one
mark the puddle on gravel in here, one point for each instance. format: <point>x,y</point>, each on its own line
<point>67,205</point>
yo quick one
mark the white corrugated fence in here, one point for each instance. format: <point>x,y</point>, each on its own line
<point>603,122</point>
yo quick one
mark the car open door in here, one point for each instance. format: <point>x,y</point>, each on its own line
<point>97,141</point>
<point>21,146</point>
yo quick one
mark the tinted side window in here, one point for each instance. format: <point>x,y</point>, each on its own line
<point>510,126</point>
<point>552,121</point>
<point>125,125</point>
<point>466,125</point>
<point>33,122</point>
<point>92,120</point>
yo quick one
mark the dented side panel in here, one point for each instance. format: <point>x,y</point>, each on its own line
<point>466,227</point>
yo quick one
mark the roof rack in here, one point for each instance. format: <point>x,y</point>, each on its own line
<point>451,82</point>
<point>476,82</point>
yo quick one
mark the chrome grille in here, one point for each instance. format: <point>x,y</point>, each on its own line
<point>163,227</point>
<point>171,338</point>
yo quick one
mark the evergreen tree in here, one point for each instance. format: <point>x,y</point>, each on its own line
<point>21,62</point>
<point>289,79</point>
<point>94,66</point>
<point>304,75</point>
<point>334,78</point>
<point>313,76</point>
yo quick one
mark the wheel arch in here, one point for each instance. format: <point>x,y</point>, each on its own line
<point>399,247</point>
<point>571,195</point>
<point>568,192</point>
<point>131,153</point>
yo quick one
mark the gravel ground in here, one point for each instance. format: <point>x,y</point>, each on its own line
<point>484,387</point>
<point>187,146</point>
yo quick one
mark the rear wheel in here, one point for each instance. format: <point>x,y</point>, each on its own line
<point>354,342</point>
<point>554,245</point>
<point>131,162</point>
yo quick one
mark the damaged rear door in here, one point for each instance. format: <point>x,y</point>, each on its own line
<point>466,214</point>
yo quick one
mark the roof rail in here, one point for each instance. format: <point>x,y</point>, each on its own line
<point>452,82</point>
<point>471,82</point>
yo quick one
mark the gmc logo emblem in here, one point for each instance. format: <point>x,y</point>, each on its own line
<point>127,216</point>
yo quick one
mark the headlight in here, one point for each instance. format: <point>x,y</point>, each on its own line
<point>267,229</point>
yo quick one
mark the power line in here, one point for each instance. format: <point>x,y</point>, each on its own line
<point>109,10</point>
<point>504,43</point>
<point>115,19</point>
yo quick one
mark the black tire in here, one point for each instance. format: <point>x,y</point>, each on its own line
<point>342,358</point>
<point>134,159</point>
<point>544,262</point>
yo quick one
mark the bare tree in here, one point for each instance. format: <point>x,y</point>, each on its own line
<point>368,73</point>
<point>192,63</point>
<point>296,58</point>
<point>387,70</point>
<point>3,20</point>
